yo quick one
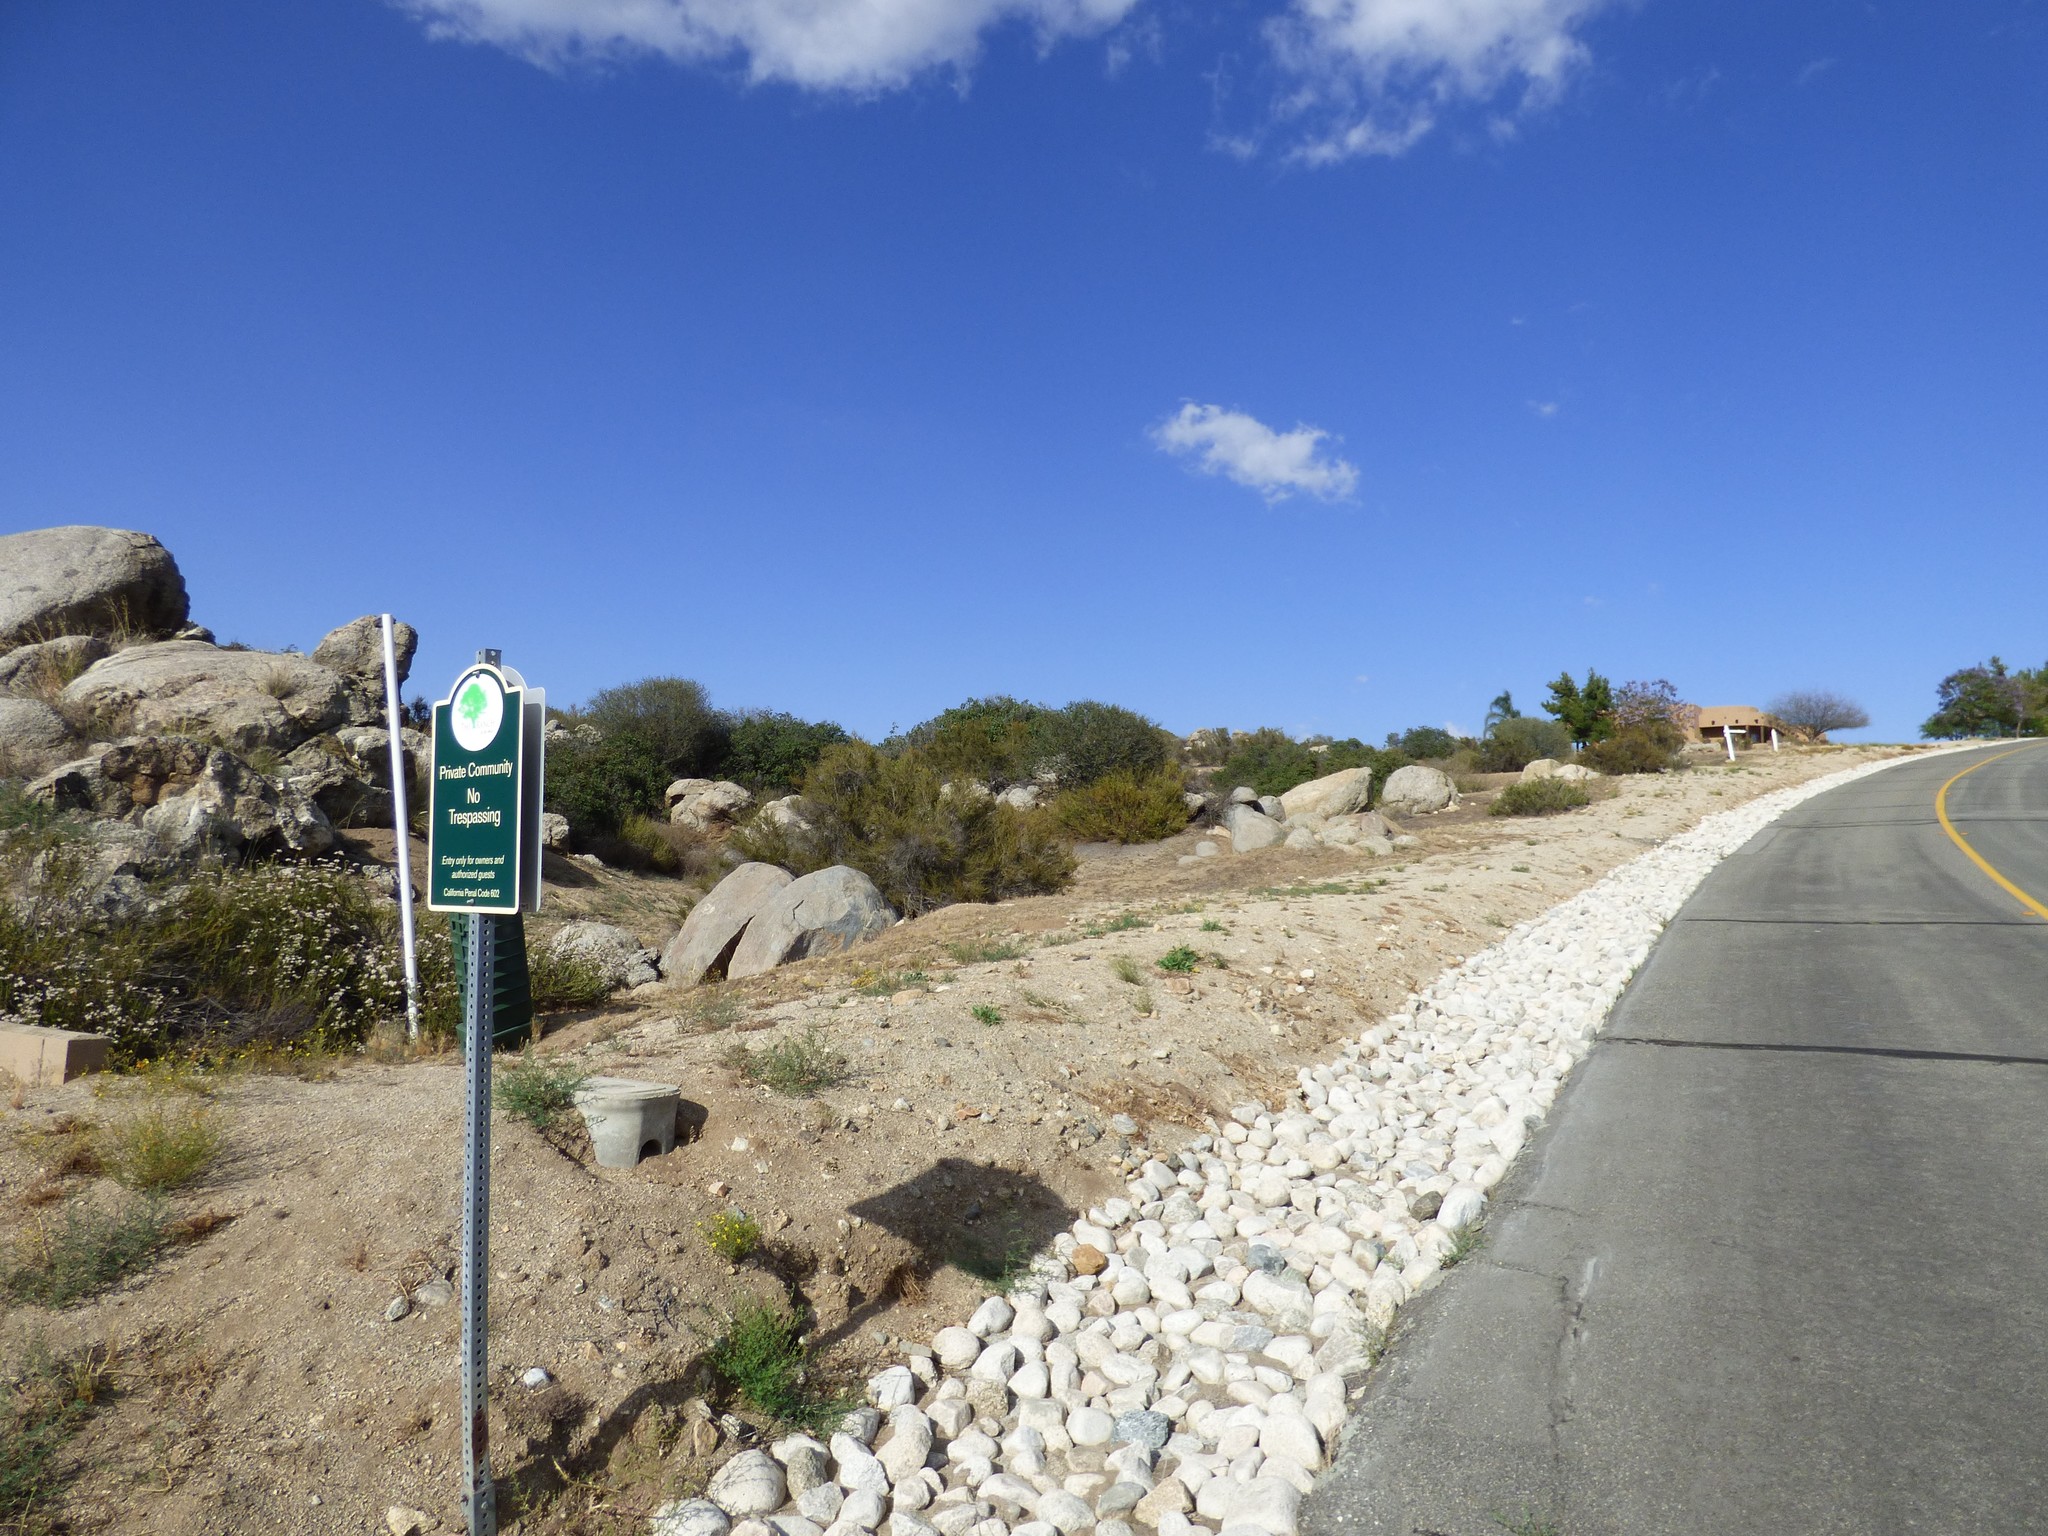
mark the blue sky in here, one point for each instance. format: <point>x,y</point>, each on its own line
<point>1324,363</point>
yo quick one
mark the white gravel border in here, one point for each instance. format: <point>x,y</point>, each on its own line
<point>1179,1362</point>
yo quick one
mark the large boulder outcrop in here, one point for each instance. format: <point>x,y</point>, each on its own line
<point>705,803</point>
<point>33,737</point>
<point>249,701</point>
<point>1334,794</point>
<point>77,580</point>
<point>1576,773</point>
<point>356,652</point>
<point>713,929</point>
<point>1540,768</point>
<point>613,953</point>
<point>1361,827</point>
<point>786,814</point>
<point>823,913</point>
<point>199,800</point>
<point>348,774</point>
<point>1249,828</point>
<point>1418,790</point>
<point>41,670</point>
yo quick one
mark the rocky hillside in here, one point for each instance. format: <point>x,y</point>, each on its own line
<point>177,749</point>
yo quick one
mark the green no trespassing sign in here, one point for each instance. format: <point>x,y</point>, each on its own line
<point>483,829</point>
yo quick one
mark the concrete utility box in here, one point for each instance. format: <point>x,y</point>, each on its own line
<point>43,1057</point>
<point>628,1119</point>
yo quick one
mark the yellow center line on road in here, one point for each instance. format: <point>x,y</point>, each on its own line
<point>1941,814</point>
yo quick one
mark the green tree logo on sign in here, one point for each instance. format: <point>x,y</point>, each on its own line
<point>476,711</point>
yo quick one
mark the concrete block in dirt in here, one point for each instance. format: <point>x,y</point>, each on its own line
<point>628,1119</point>
<point>42,1057</point>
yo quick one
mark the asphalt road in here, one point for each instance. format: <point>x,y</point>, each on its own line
<point>1778,1261</point>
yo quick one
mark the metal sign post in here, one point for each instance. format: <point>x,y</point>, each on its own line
<point>478,1495</point>
<point>1728,740</point>
<point>483,861</point>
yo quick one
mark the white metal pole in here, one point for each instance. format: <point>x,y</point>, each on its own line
<point>403,841</point>
<point>1774,738</point>
<point>1728,740</point>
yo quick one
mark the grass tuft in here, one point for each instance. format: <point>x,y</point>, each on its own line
<point>985,951</point>
<point>1123,922</point>
<point>1127,970</point>
<point>987,1013</point>
<point>797,1066</point>
<point>870,983</point>
<point>1180,960</point>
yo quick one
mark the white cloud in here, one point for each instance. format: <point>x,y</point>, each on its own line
<point>1543,407</point>
<point>1376,75</point>
<point>1243,448</point>
<point>859,45</point>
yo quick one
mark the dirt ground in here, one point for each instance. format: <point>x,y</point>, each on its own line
<point>258,1385</point>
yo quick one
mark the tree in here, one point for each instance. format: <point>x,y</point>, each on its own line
<point>771,752</point>
<point>671,717</point>
<point>1587,710</point>
<point>1423,741</point>
<point>1979,701</point>
<point>1810,713</point>
<point>1639,704</point>
<point>1502,708</point>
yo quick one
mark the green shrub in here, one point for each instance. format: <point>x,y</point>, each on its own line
<point>600,786</point>
<point>924,845</point>
<point>986,1013</point>
<point>294,954</point>
<point>1540,797</point>
<point>1125,807</point>
<point>732,1235</point>
<point>90,1250</point>
<point>1180,960</point>
<point>1000,741</point>
<point>672,717</point>
<point>761,1358</point>
<point>770,753</point>
<point>162,1146</point>
<point>538,1092</point>
<point>564,981</point>
<point>1423,741</point>
<point>799,1066</point>
<point>1652,747</point>
<point>95,978</point>
<point>1088,741</point>
<point>1512,744</point>
<point>991,741</point>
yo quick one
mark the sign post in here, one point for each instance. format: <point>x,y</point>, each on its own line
<point>483,860</point>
